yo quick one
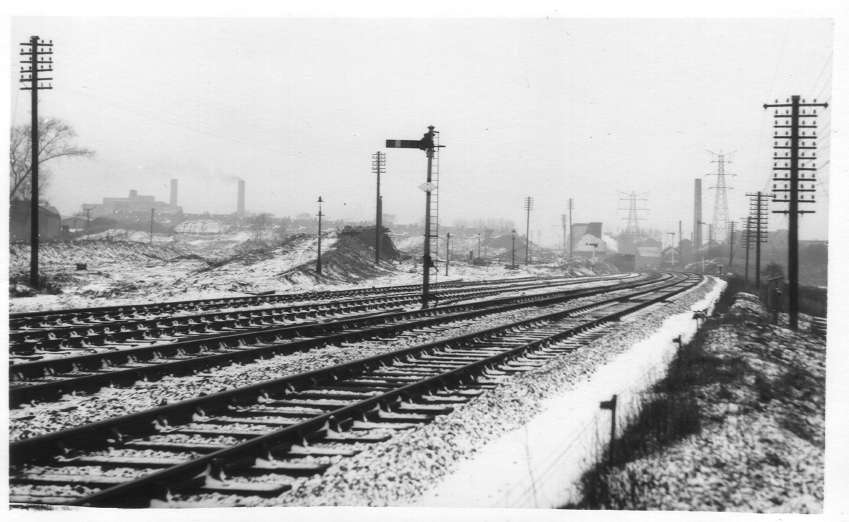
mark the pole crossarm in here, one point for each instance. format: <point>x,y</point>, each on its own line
<point>792,183</point>
<point>35,65</point>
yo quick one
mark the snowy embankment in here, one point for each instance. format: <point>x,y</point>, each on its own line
<point>122,272</point>
<point>539,464</point>
<point>742,412</point>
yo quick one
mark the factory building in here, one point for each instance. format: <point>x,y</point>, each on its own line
<point>132,206</point>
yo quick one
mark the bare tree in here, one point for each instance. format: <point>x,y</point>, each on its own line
<point>55,140</point>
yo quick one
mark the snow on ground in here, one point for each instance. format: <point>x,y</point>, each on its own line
<point>197,266</point>
<point>539,464</point>
<point>756,391</point>
<point>129,272</point>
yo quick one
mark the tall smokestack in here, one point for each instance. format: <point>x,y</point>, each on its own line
<point>240,202</point>
<point>173,200</point>
<point>697,214</point>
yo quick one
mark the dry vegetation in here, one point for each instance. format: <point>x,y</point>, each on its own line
<point>737,425</point>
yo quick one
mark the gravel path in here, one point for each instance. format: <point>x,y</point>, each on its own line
<point>399,470</point>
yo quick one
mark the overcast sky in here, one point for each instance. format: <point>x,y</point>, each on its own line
<point>551,108</point>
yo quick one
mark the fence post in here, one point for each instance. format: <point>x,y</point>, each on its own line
<point>610,405</point>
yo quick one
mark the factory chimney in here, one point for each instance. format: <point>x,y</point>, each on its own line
<point>697,215</point>
<point>240,202</point>
<point>173,200</point>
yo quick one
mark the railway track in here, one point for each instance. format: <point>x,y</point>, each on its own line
<point>55,334</point>
<point>40,319</point>
<point>252,440</point>
<point>51,378</point>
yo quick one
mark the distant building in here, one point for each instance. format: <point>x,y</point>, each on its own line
<point>132,206</point>
<point>670,256</point>
<point>580,229</point>
<point>589,245</point>
<point>648,257</point>
<point>200,226</point>
<point>49,221</point>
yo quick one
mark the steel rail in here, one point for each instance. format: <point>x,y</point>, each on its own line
<point>77,335</point>
<point>195,354</point>
<point>94,434</point>
<point>138,491</point>
<point>15,318</point>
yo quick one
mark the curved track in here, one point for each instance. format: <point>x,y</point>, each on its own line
<point>66,334</point>
<point>250,440</point>
<point>50,378</point>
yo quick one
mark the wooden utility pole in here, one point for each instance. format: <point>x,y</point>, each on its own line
<point>563,224</point>
<point>757,233</point>
<point>730,245</point>
<point>571,241</point>
<point>447,251</point>
<point>794,176</point>
<point>528,205</point>
<point>513,256</point>
<point>747,235</point>
<point>318,259</point>
<point>378,166</point>
<point>35,64</point>
<point>151,225</point>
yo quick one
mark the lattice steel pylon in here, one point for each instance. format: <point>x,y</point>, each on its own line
<point>720,200</point>
<point>632,229</point>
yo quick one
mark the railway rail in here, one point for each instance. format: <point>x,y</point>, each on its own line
<point>252,440</point>
<point>51,378</point>
<point>24,320</point>
<point>71,334</point>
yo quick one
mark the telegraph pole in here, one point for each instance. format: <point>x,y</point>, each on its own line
<point>699,228</point>
<point>730,245</point>
<point>35,50</point>
<point>792,173</point>
<point>563,224</point>
<point>87,220</point>
<point>570,228</point>
<point>528,205</point>
<point>426,143</point>
<point>513,257</point>
<point>680,253</point>
<point>378,166</point>
<point>747,237</point>
<point>318,259</point>
<point>151,225</point>
<point>447,251</point>
<point>758,217</point>
<point>479,245</point>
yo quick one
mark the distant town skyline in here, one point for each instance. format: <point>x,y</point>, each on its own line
<point>554,109</point>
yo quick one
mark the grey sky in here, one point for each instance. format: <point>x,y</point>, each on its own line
<point>552,108</point>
